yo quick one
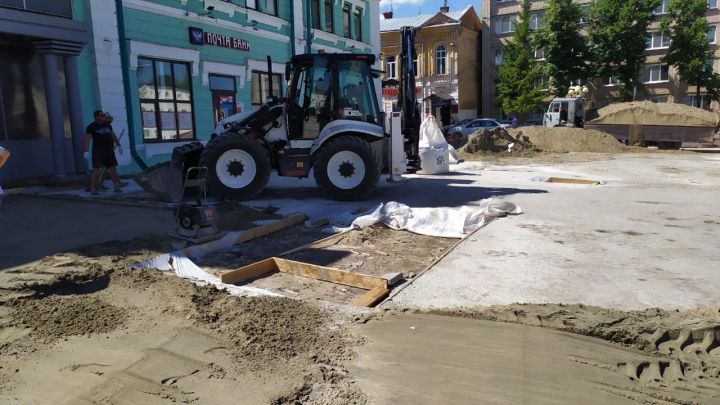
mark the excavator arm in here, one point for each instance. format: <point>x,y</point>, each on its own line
<point>407,98</point>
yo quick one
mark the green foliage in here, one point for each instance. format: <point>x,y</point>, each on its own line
<point>617,40</point>
<point>565,48</point>
<point>689,47</point>
<point>517,74</point>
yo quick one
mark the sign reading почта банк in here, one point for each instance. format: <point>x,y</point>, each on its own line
<point>198,37</point>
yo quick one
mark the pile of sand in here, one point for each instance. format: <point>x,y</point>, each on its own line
<point>56,317</point>
<point>649,113</point>
<point>527,141</point>
<point>569,139</point>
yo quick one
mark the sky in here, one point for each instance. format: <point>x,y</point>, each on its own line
<point>407,8</point>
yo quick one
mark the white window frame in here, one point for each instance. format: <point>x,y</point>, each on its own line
<point>539,54</point>
<point>585,17</point>
<point>712,28</point>
<point>610,81</point>
<point>658,79</point>
<point>501,21</point>
<point>662,8</point>
<point>652,40</point>
<point>543,82</point>
<point>712,4</point>
<point>690,100</point>
<point>536,21</point>
<point>391,67</point>
<point>444,57</point>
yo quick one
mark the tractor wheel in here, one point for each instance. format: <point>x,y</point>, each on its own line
<point>238,166</point>
<point>347,168</point>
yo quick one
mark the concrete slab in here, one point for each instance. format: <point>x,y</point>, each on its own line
<point>648,237</point>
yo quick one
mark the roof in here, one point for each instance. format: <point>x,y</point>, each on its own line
<point>394,24</point>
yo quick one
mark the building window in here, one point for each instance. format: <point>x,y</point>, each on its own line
<point>261,87</point>
<point>329,16</point>
<point>659,99</point>
<point>710,64</point>
<point>265,6</point>
<point>662,8</point>
<point>315,13</point>
<point>358,23</point>
<point>498,56</point>
<point>539,54</point>
<point>610,81</point>
<point>585,14</point>
<point>505,24</point>
<point>657,40</point>
<point>711,33</point>
<point>390,64</point>
<point>712,4</point>
<point>440,60</point>
<point>346,20</point>
<point>165,91</point>
<point>416,65</point>
<point>541,82</point>
<point>702,102</point>
<point>536,21</point>
<point>655,74</point>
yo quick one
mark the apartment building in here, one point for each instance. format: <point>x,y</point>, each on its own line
<point>447,45</point>
<point>662,82</point>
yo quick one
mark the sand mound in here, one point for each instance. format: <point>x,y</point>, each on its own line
<point>527,141</point>
<point>567,139</point>
<point>57,316</point>
<point>649,113</point>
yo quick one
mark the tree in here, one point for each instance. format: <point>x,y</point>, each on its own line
<point>564,47</point>
<point>690,48</point>
<point>617,35</point>
<point>516,76</point>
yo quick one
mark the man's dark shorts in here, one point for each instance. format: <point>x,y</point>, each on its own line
<point>103,158</point>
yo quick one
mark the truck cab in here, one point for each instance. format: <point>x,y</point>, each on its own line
<point>568,111</point>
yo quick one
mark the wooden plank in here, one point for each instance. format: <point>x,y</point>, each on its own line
<point>372,297</point>
<point>571,181</point>
<point>313,244</point>
<point>329,274</point>
<point>249,272</point>
<point>266,229</point>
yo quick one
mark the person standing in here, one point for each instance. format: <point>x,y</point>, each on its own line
<point>103,151</point>
<point>4,155</point>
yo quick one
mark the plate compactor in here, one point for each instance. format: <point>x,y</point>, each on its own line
<point>196,222</point>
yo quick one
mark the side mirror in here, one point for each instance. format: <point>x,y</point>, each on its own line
<point>288,71</point>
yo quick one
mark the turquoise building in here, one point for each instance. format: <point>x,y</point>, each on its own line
<point>169,70</point>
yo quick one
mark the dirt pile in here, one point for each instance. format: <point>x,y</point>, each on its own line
<point>568,139</point>
<point>530,141</point>
<point>649,113</point>
<point>56,317</point>
<point>496,141</point>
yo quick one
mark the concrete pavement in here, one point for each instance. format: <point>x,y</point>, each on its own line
<point>648,238</point>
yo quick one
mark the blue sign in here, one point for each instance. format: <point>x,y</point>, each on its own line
<point>196,36</point>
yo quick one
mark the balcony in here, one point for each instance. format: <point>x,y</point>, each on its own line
<point>60,8</point>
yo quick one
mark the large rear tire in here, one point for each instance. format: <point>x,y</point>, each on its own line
<point>347,168</point>
<point>238,166</point>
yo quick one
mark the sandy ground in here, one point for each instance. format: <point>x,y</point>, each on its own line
<point>648,237</point>
<point>86,329</point>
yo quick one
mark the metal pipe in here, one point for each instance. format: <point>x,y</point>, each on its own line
<point>125,67</point>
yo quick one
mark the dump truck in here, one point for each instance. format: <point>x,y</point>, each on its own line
<point>330,123</point>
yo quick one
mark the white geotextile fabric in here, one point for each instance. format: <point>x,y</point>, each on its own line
<point>442,222</point>
<point>185,268</point>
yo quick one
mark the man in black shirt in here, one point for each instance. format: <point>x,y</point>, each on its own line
<point>103,150</point>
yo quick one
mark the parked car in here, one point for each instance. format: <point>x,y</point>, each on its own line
<point>529,123</point>
<point>457,135</point>
<point>446,128</point>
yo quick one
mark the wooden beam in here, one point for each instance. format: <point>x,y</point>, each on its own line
<point>329,274</point>
<point>249,272</point>
<point>571,181</point>
<point>372,297</point>
<point>313,244</point>
<point>266,229</point>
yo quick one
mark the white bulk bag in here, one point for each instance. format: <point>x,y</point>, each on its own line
<point>433,149</point>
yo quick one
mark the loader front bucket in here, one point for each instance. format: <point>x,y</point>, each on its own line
<point>166,179</point>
